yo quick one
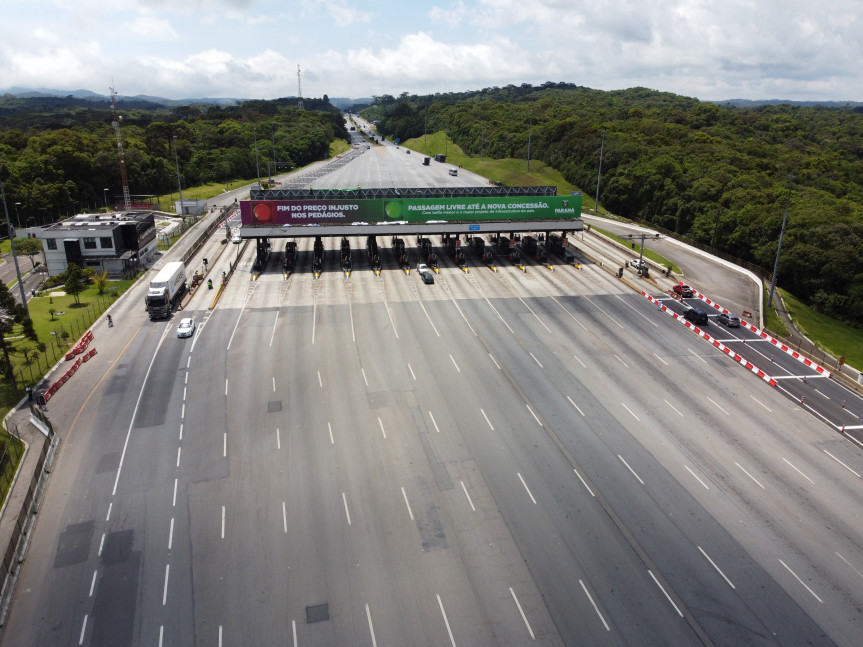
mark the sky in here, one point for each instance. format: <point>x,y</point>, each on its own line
<point>250,49</point>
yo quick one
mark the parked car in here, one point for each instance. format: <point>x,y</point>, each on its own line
<point>697,316</point>
<point>186,327</point>
<point>683,290</point>
<point>730,320</point>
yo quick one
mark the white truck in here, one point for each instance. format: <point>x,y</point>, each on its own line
<point>166,290</point>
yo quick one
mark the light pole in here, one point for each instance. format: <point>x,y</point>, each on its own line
<point>179,186</point>
<point>105,195</point>
<point>274,148</point>
<point>779,247</point>
<point>599,173</point>
<point>14,255</point>
<point>257,160</point>
<point>17,216</point>
<point>529,129</point>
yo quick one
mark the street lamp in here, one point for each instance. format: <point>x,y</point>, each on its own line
<point>529,129</point>
<point>599,174</point>
<point>791,179</point>
<point>179,186</point>
<point>17,217</point>
<point>14,255</point>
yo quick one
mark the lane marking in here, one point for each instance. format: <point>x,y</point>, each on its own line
<point>541,323</point>
<point>486,419</point>
<point>577,408</point>
<point>495,362</point>
<point>849,564</point>
<point>320,382</point>
<point>621,361</point>
<point>314,317</point>
<point>93,582</point>
<point>696,477</point>
<point>108,516</point>
<point>407,503</point>
<point>83,630</point>
<point>454,364</point>
<point>273,334</point>
<point>171,535</point>
<point>225,445</point>
<point>467,495</point>
<point>274,384</point>
<point>174,503</point>
<point>347,512</point>
<point>583,365</point>
<point>761,403</point>
<point>665,593</point>
<point>363,371</point>
<point>713,564</point>
<point>223,522</point>
<point>181,431</point>
<point>801,581</point>
<point>630,411</point>
<point>841,463</point>
<point>673,407</point>
<point>595,608</point>
<point>696,355</point>
<point>279,439</point>
<point>798,471</point>
<point>330,428</point>
<point>525,487</point>
<point>535,360</point>
<point>583,482</point>
<point>445,620</point>
<point>659,358</point>
<point>412,372</point>
<point>433,422</point>
<point>523,617</point>
<point>284,517</point>
<point>294,631</point>
<point>165,588</point>
<point>101,545</point>
<point>226,387</point>
<point>380,422</point>
<point>371,627</point>
<point>717,406</point>
<point>179,451</point>
<point>533,414</point>
<point>392,323</point>
<point>630,469</point>
<point>749,475</point>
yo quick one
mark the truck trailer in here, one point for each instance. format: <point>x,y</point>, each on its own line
<point>166,290</point>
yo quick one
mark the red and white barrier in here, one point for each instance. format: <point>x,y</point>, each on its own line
<point>85,357</point>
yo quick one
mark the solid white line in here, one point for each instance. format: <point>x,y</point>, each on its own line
<point>595,608</point>
<point>761,403</point>
<point>630,411</point>
<point>801,581</point>
<point>179,451</point>
<point>171,535</point>
<point>580,362</point>
<point>849,564</point>
<point>673,407</point>
<point>101,545</point>
<point>407,503</point>
<point>83,629</point>
<point>630,469</point>
<point>486,419</point>
<point>577,408</point>
<point>621,361</point>
<point>718,570</point>
<point>135,411</point>
<point>363,371</point>
<point>841,463</point>
<point>234,331</point>
<point>659,358</point>
<point>583,482</point>
<point>93,583</point>
<point>523,617</point>
<point>371,627</point>
<point>536,360</point>
<point>165,589</point>
<point>284,517</point>
<point>717,406</point>
<point>110,506</point>
<point>454,364</point>
<point>223,522</point>
<point>525,487</point>
<point>320,382</point>
<point>696,477</point>
<point>798,471</point>
<point>380,422</point>
<point>347,512</point>
<point>433,422</point>
<point>446,622</point>
<point>278,439</point>
<point>749,475</point>
<point>533,414</point>
<point>330,428</point>
<point>495,361</point>
<point>273,335</point>
<point>665,593</point>
<point>468,496</point>
<point>174,503</point>
<point>412,372</point>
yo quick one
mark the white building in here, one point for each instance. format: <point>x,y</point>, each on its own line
<point>117,243</point>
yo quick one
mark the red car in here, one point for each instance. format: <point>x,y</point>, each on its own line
<point>683,290</point>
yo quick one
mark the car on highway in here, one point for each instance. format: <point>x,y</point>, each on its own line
<point>683,290</point>
<point>186,327</point>
<point>453,171</point>
<point>423,269</point>
<point>637,264</point>
<point>237,239</point>
<point>428,278</point>
<point>730,320</point>
<point>697,316</point>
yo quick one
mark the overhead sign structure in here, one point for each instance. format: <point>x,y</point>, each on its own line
<point>270,213</point>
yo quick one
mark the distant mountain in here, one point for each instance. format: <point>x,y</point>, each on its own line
<point>750,103</point>
<point>87,95</point>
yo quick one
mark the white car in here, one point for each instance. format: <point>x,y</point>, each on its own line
<point>237,239</point>
<point>422,268</point>
<point>637,264</point>
<point>186,327</point>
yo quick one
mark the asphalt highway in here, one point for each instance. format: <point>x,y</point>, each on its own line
<point>499,458</point>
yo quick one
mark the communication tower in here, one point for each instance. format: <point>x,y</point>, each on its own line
<point>115,122</point>
<point>299,90</point>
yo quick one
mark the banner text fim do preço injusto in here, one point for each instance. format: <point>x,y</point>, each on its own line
<point>415,210</point>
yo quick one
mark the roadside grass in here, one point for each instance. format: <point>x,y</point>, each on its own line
<point>339,146</point>
<point>835,337</point>
<point>656,258</point>
<point>772,321</point>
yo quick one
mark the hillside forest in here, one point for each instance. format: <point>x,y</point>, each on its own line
<point>716,174</point>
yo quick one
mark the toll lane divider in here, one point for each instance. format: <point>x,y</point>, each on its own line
<point>764,335</point>
<point>84,357</point>
<point>718,344</point>
<point>81,346</point>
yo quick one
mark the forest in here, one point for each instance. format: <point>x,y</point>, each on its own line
<point>57,156</point>
<point>717,174</point>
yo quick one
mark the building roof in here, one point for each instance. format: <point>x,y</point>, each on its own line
<point>90,221</point>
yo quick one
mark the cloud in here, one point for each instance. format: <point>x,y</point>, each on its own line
<point>341,12</point>
<point>150,27</point>
<point>452,16</point>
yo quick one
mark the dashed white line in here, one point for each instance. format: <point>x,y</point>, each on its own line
<point>761,403</point>
<point>696,477</point>
<point>183,411</point>
<point>412,372</point>
<point>294,631</point>
<point>454,363</point>
<point>849,564</point>
<point>523,617</point>
<point>841,463</point>
<point>621,361</point>
<point>717,405</point>
<point>171,534</point>
<point>445,620</point>
<point>749,475</point>
<point>468,496</point>
<point>713,564</point>
<point>363,371</point>
<point>93,583</point>
<point>165,588</point>
<point>179,451</point>
<point>536,360</point>
<point>407,503</point>
<point>579,361</point>
<point>673,407</point>
<point>433,422</point>
<point>371,627</point>
<point>697,356</point>
<point>495,361</point>
<point>174,501</point>
<point>330,428</point>
<point>347,512</point>
<point>273,334</point>
<point>533,414</point>
<point>595,608</point>
<point>108,516</point>
<point>486,419</point>
<point>583,482</point>
<point>380,422</point>
<point>223,522</point>
<point>83,630</point>
<point>525,487</point>
<point>101,545</point>
<point>181,431</point>
<point>226,386</point>
<point>320,381</point>
<point>659,358</point>
<point>630,469</point>
<point>665,593</point>
<point>279,439</point>
<point>798,471</point>
<point>801,581</point>
<point>284,517</point>
<point>274,384</point>
<point>225,444</point>
<point>577,408</point>
<point>630,411</point>
<point>184,392</point>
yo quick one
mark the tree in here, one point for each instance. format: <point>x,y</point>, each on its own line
<point>12,313</point>
<point>74,281</point>
<point>28,247</point>
<point>100,281</point>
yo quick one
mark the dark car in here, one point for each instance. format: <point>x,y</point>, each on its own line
<point>697,316</point>
<point>730,320</point>
<point>683,290</point>
<point>428,277</point>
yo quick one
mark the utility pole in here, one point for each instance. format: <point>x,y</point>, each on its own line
<point>529,129</point>
<point>14,255</point>
<point>179,185</point>
<point>779,247</point>
<point>599,174</point>
<point>257,160</point>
